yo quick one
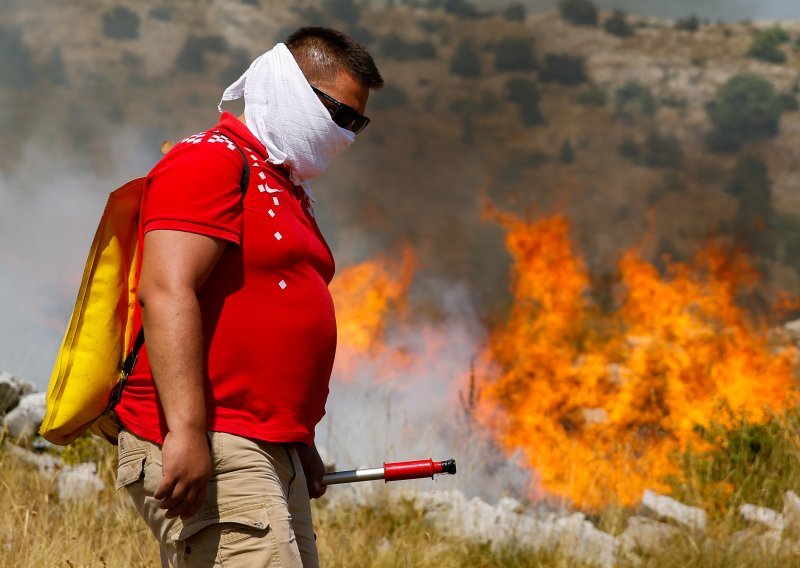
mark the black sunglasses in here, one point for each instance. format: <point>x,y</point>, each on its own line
<point>343,115</point>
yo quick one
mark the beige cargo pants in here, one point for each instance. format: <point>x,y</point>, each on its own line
<point>257,512</point>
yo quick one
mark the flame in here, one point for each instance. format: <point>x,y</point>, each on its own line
<point>598,402</point>
<point>366,297</point>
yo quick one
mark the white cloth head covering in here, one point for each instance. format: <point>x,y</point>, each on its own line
<point>285,114</point>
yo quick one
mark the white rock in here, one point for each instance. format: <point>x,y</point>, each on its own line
<point>45,463</point>
<point>644,534</point>
<point>690,517</point>
<point>12,389</point>
<point>79,482</point>
<point>24,420</point>
<point>762,516</point>
<point>791,515</point>
<point>793,329</point>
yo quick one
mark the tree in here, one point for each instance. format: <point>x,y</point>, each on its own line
<point>618,24</point>
<point>121,23</point>
<point>579,12</point>
<point>525,95</point>
<point>389,98</point>
<point>755,215</point>
<point>515,12</point>
<point>514,54</point>
<point>567,154</point>
<point>466,62</point>
<point>767,44</point>
<point>192,56</point>
<point>745,109</point>
<point>462,9</point>
<point>690,24</point>
<point>633,94</point>
<point>564,69</point>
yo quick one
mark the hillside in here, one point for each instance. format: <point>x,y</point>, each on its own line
<point>530,112</point>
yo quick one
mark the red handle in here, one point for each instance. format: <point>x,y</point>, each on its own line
<point>411,469</point>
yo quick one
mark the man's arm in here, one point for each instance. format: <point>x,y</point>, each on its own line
<point>174,267</point>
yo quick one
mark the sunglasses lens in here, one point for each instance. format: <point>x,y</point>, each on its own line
<point>359,124</point>
<point>344,116</point>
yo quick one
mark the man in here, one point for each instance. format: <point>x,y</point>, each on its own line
<point>217,449</point>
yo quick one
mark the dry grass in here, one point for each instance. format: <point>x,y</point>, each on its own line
<point>37,529</point>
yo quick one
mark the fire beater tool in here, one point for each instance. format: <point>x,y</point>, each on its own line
<point>395,471</point>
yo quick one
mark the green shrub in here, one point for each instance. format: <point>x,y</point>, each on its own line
<point>767,44</point>
<point>745,109</point>
<point>579,12</point>
<point>690,24</point>
<point>17,68</point>
<point>514,54</point>
<point>121,23</point>
<point>564,69</point>
<point>163,13</point>
<point>192,56</point>
<point>673,101</point>
<point>55,70</point>
<point>345,10</point>
<point>389,98</point>
<point>462,9</point>
<point>618,24</point>
<point>789,102</point>
<point>635,95</point>
<point>661,151</point>
<point>594,96</point>
<point>567,154</point>
<point>515,12</point>
<point>525,95</point>
<point>629,149</point>
<point>466,61</point>
<point>395,47</point>
<point>240,61</point>
<point>746,462</point>
<point>751,186</point>
<point>362,34</point>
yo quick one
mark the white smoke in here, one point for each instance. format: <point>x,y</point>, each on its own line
<point>411,400</point>
<point>49,210</point>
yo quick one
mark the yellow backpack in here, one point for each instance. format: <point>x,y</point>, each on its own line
<point>92,364</point>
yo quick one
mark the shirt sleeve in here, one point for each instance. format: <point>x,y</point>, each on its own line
<point>196,188</point>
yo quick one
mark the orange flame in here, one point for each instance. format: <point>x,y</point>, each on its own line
<point>598,402</point>
<point>365,297</point>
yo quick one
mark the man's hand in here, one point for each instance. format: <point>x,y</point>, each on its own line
<point>313,468</point>
<point>186,468</point>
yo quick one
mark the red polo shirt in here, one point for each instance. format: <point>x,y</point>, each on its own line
<point>269,328</point>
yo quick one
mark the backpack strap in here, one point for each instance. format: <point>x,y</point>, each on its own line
<point>138,343</point>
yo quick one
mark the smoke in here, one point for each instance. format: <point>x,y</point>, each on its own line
<point>413,399</point>
<point>49,209</point>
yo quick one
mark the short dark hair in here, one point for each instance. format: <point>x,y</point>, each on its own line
<point>322,53</point>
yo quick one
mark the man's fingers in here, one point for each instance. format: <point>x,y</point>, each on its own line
<point>165,488</point>
<point>175,499</point>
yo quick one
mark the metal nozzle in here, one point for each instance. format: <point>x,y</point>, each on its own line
<point>449,466</point>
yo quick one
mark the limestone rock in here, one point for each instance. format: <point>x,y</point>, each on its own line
<point>690,517</point>
<point>791,515</point>
<point>763,516</point>
<point>45,463</point>
<point>12,389</point>
<point>24,420</point>
<point>79,482</point>
<point>793,329</point>
<point>644,534</point>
